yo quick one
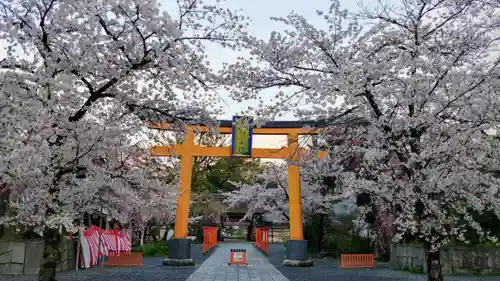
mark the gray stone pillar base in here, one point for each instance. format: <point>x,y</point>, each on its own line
<point>178,262</point>
<point>293,263</point>
<point>179,253</point>
<point>296,254</point>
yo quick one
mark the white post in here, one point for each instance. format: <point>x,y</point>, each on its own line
<point>142,235</point>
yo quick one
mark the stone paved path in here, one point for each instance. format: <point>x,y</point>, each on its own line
<point>216,267</point>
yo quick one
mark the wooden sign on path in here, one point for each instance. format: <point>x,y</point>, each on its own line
<point>238,256</point>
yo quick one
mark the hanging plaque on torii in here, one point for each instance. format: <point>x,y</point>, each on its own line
<point>241,139</point>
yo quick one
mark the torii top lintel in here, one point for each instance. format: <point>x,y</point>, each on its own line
<point>308,127</point>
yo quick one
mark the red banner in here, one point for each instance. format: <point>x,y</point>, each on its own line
<point>100,242</point>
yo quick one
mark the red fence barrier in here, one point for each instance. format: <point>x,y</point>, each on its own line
<point>357,260</point>
<point>124,259</point>
<point>209,238</point>
<point>262,239</point>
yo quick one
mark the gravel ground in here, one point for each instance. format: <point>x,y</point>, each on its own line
<point>328,270</point>
<point>153,270</point>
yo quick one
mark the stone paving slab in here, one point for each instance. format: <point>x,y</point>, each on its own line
<point>216,267</point>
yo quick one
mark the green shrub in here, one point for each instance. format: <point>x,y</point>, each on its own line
<point>336,244</point>
<point>154,249</point>
<point>285,236</point>
<point>339,237</point>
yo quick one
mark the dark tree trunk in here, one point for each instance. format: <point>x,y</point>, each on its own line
<point>222,227</point>
<point>249,232</point>
<point>4,197</point>
<point>165,235</point>
<point>434,268</point>
<point>51,255</point>
<point>321,231</point>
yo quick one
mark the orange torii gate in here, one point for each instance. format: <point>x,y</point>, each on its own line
<point>180,246</point>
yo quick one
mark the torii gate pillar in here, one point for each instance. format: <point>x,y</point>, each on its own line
<point>179,248</point>
<point>296,246</point>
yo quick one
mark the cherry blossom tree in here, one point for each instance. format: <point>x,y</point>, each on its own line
<point>423,77</point>
<point>77,81</point>
<point>270,192</point>
<point>151,189</point>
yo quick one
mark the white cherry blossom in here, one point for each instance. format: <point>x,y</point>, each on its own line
<point>410,96</point>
